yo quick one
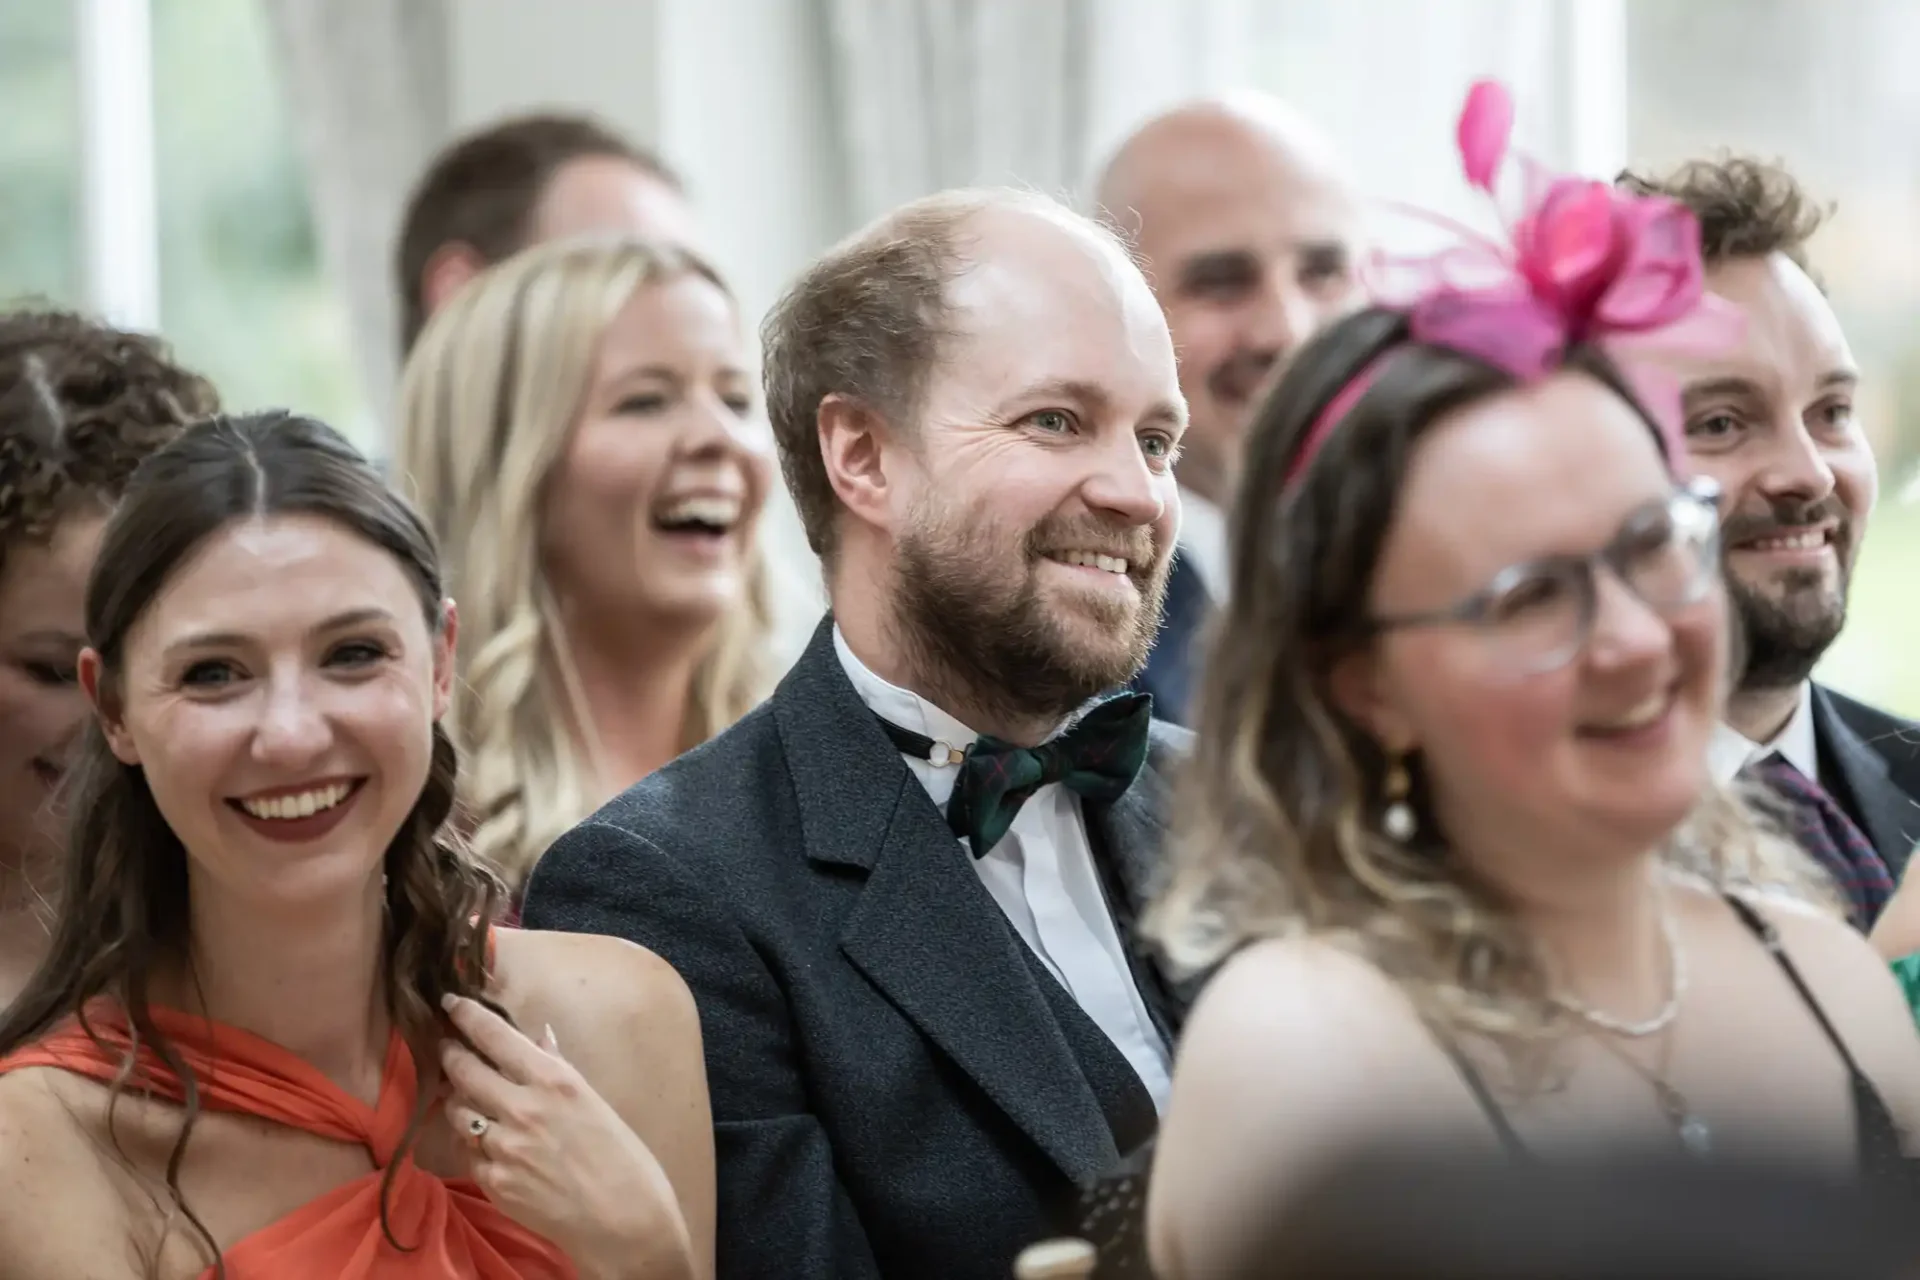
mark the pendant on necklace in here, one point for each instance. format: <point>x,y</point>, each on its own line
<point>1695,1136</point>
<point>1696,1139</point>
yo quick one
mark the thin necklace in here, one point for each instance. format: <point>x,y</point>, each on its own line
<point>1664,1016</point>
<point>1696,1137</point>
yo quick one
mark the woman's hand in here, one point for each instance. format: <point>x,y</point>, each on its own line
<point>555,1156</point>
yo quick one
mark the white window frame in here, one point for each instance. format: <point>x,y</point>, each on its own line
<point>119,203</point>
<point>1593,53</point>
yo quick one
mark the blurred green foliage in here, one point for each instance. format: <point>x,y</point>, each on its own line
<point>39,143</point>
<point>1874,658</point>
<point>243,297</point>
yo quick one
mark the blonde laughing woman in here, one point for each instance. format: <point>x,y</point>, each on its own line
<point>581,427</point>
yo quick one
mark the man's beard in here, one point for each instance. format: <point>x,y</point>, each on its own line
<point>970,615</point>
<point>1789,625</point>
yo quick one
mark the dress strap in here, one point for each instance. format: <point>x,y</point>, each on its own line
<point>1482,1094</point>
<point>1769,937</point>
<point>1880,1143</point>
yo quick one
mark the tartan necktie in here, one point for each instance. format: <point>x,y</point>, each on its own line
<point>1098,758</point>
<point>1824,830</point>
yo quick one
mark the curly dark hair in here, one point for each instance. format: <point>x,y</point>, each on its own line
<point>81,404</point>
<point>1747,208</point>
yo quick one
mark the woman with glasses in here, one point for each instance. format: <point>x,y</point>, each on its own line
<point>1452,840</point>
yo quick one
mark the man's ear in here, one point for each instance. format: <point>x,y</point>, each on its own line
<point>448,270</point>
<point>105,707</point>
<point>853,437</point>
<point>1359,692</point>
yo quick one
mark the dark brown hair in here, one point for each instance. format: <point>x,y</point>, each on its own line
<point>1280,830</point>
<point>123,907</point>
<point>81,404</point>
<point>1747,208</point>
<point>483,189</point>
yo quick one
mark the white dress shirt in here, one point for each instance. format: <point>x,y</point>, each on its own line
<point>1203,542</point>
<point>1731,751</point>
<point>1043,876</point>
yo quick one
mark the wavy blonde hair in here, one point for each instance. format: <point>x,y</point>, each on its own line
<point>488,401</point>
<point>1279,830</point>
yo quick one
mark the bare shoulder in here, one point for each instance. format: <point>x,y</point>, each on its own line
<point>592,990</point>
<point>624,1019</point>
<point>1830,953</point>
<point>57,1202</point>
<point>1857,991</point>
<point>39,1131</point>
<point>1308,1034</point>
<point>1296,1049</point>
<point>1294,993</point>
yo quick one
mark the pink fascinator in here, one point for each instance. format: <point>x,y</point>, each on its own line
<point>1584,262</point>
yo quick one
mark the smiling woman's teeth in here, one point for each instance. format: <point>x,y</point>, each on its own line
<point>711,512</point>
<point>1643,714</point>
<point>302,805</point>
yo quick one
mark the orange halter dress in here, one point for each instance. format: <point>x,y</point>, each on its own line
<point>452,1229</point>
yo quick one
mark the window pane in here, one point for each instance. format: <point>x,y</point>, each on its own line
<point>39,149</point>
<point>1826,89</point>
<point>243,295</point>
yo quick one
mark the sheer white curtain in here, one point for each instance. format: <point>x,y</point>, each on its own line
<point>932,94</point>
<point>927,94</point>
<point>367,82</point>
<point>937,93</point>
<point>945,93</point>
<point>1386,79</point>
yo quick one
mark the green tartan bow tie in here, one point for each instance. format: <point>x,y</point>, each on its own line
<point>1099,757</point>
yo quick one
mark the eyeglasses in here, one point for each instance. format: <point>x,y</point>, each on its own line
<point>1537,616</point>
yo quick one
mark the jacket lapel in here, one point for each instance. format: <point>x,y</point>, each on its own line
<point>925,932</point>
<point>1885,812</point>
<point>1134,831</point>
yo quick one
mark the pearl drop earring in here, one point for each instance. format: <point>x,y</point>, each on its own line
<point>1397,818</point>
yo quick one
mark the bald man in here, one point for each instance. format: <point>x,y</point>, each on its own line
<point>1250,228</point>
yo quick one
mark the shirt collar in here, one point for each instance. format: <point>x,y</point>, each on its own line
<point>1203,541</point>
<point>910,711</point>
<point>1731,751</point>
<point>901,706</point>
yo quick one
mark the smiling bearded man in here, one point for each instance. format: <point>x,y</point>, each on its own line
<point>1773,422</point>
<point>903,891</point>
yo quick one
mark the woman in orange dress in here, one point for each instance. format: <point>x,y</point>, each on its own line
<point>276,1034</point>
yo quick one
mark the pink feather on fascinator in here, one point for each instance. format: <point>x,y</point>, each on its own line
<point>1583,263</point>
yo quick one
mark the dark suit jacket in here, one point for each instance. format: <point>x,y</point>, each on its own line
<point>1870,763</point>
<point>899,1088</point>
<point>1173,667</point>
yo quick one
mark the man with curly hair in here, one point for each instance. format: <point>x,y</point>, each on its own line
<point>80,406</point>
<point>1773,422</point>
